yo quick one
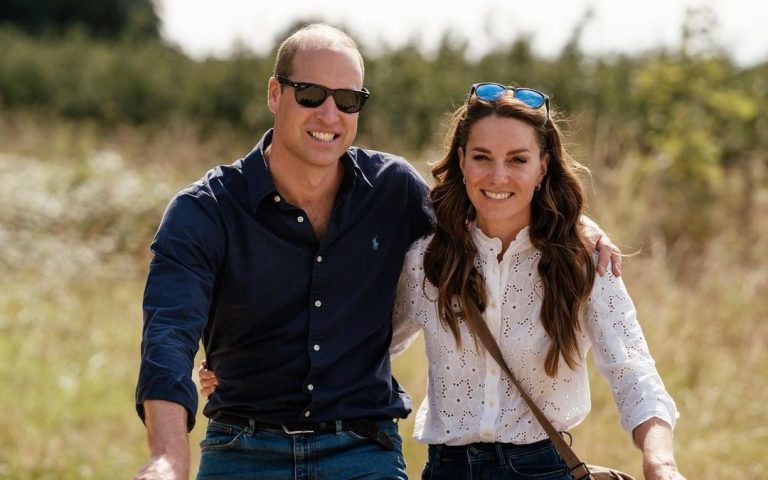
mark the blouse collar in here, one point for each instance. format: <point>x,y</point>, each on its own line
<point>487,245</point>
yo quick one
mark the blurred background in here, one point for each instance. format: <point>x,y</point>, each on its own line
<point>109,107</point>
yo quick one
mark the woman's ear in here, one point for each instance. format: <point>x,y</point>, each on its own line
<point>544,165</point>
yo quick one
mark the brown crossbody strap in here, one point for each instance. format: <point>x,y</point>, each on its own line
<point>575,465</point>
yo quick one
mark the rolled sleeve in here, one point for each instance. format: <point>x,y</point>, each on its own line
<point>177,298</point>
<point>623,358</point>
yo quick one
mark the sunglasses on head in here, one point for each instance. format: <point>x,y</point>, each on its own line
<point>312,95</point>
<point>491,92</point>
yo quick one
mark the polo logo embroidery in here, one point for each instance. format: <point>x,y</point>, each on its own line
<point>375,242</point>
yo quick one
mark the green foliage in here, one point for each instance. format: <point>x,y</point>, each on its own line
<point>112,19</point>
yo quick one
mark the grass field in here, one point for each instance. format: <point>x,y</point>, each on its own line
<point>78,207</point>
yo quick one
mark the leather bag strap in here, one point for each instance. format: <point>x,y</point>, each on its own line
<point>578,468</point>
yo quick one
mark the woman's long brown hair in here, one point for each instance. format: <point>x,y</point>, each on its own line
<point>565,265</point>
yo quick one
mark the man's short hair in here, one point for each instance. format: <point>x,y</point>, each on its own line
<point>316,35</point>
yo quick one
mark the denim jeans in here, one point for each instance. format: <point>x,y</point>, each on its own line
<point>481,461</point>
<point>237,452</point>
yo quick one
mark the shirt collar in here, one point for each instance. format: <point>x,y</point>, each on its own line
<point>261,185</point>
<point>487,245</point>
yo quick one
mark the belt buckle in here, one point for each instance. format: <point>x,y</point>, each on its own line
<point>295,432</point>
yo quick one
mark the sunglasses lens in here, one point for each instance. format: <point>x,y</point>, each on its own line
<point>489,91</point>
<point>348,101</point>
<point>530,97</point>
<point>310,96</point>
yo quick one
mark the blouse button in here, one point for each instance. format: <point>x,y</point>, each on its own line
<point>316,348</point>
<point>306,414</point>
<point>310,387</point>
<point>319,258</point>
<point>300,219</point>
<point>318,303</point>
<point>277,198</point>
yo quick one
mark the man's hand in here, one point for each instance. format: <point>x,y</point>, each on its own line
<point>161,468</point>
<point>208,380</point>
<point>168,442</point>
<point>599,241</point>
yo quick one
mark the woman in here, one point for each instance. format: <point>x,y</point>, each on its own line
<point>508,251</point>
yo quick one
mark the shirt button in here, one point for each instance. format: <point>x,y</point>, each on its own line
<point>277,198</point>
<point>319,258</point>
<point>317,348</point>
<point>310,387</point>
<point>493,371</point>
<point>300,219</point>
<point>306,414</point>
<point>318,303</point>
<point>492,404</point>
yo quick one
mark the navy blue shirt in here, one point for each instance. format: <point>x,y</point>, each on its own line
<point>296,328</point>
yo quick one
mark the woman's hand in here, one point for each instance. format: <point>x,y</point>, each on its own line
<point>208,380</point>
<point>661,472</point>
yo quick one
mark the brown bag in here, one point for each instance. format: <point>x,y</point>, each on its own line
<point>579,470</point>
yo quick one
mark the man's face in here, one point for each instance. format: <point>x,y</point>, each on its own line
<point>315,137</point>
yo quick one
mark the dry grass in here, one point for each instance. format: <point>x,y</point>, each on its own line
<point>78,207</point>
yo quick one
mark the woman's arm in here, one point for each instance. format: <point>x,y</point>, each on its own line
<point>654,437</point>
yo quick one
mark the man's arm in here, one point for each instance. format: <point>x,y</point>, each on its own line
<point>168,441</point>
<point>187,252</point>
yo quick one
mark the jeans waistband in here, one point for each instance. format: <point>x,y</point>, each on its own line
<point>483,452</point>
<point>362,426</point>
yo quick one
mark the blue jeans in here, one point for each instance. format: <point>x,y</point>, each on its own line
<point>237,452</point>
<point>486,461</point>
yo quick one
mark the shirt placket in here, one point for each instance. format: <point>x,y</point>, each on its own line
<point>492,371</point>
<point>317,307</point>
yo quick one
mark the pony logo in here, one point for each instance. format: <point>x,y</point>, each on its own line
<point>375,242</point>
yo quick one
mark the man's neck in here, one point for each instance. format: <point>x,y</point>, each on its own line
<point>303,185</point>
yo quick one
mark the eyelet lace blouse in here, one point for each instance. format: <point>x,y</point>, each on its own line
<point>469,399</point>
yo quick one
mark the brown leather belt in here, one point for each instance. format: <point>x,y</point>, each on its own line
<point>361,426</point>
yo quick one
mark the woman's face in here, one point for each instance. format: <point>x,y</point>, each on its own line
<point>502,164</point>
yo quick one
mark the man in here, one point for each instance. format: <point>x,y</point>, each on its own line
<point>285,264</point>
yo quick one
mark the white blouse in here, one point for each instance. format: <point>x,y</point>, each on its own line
<point>469,398</point>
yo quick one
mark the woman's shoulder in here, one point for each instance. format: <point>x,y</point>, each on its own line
<point>414,258</point>
<point>419,247</point>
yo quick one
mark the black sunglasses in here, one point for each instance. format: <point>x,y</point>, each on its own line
<point>311,95</point>
<point>491,92</point>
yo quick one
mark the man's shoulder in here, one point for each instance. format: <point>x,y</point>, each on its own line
<point>377,162</point>
<point>216,181</point>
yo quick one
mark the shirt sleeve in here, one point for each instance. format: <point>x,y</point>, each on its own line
<point>405,326</point>
<point>187,250</point>
<point>422,216</point>
<point>622,356</point>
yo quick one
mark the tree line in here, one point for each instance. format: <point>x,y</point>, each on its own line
<point>688,122</point>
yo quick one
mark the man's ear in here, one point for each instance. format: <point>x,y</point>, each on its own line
<point>273,94</point>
